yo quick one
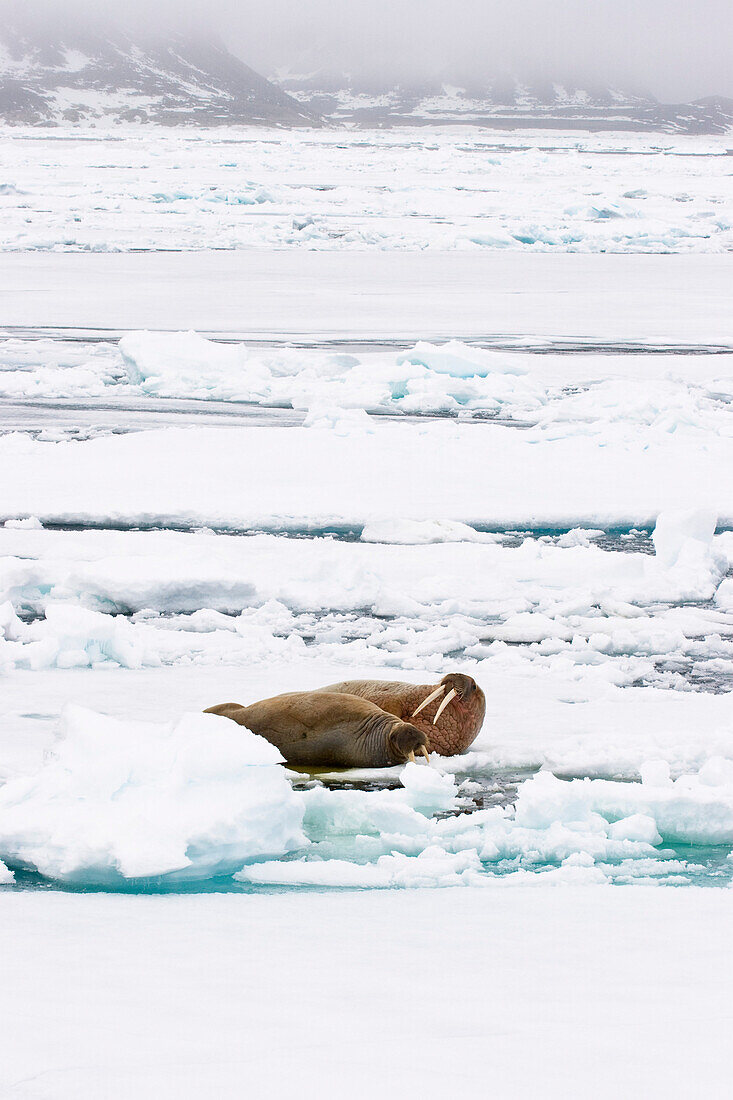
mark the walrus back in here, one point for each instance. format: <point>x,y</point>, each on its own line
<point>319,729</point>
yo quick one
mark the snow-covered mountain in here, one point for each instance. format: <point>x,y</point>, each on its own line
<point>504,101</point>
<point>54,70</point>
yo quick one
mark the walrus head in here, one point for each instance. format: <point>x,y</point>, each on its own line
<point>403,741</point>
<point>455,686</point>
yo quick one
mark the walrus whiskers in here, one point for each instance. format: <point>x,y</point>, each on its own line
<point>434,695</point>
<point>451,695</point>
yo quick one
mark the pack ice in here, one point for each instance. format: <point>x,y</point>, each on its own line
<point>590,395</point>
<point>317,191</point>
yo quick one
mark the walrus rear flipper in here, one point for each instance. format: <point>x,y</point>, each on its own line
<point>228,710</point>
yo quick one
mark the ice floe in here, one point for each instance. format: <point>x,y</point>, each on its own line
<point>117,800</point>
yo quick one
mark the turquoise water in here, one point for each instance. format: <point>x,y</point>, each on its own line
<point>676,865</point>
<point>706,866</point>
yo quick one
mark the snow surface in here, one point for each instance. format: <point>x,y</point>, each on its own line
<point>560,993</point>
<point>510,299</point>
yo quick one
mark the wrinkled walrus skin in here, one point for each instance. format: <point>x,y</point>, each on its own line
<point>328,730</point>
<point>459,721</point>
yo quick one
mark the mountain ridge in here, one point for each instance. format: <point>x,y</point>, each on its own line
<point>53,71</point>
<point>503,101</point>
<point>56,69</point>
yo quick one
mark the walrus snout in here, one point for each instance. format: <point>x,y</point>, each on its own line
<point>462,685</point>
<point>456,684</point>
<point>404,741</point>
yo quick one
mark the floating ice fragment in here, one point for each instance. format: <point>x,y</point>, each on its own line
<point>531,627</point>
<point>11,627</point>
<point>427,789</point>
<point>460,360</point>
<point>432,867</point>
<point>724,595</point>
<point>341,421</point>
<point>185,364</point>
<point>674,528</point>
<point>31,523</point>
<point>74,636</point>
<point>412,532</point>
<point>579,536</point>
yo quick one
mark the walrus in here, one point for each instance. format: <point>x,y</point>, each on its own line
<point>321,729</point>
<point>449,714</point>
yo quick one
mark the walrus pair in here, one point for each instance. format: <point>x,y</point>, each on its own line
<point>366,723</point>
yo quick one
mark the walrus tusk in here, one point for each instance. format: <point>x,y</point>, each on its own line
<point>411,757</point>
<point>451,695</point>
<point>433,695</point>
<point>424,752</point>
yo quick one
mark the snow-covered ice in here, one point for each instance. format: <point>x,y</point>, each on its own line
<point>593,300</point>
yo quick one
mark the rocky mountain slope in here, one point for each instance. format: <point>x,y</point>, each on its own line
<point>504,102</point>
<point>54,70</point>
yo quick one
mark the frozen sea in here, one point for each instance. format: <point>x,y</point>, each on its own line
<point>279,410</point>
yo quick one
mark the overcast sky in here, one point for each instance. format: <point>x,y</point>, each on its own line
<point>677,49</point>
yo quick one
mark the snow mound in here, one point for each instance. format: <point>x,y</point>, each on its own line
<point>116,801</point>
<point>342,421</point>
<point>428,791</point>
<point>459,360</point>
<point>185,363</point>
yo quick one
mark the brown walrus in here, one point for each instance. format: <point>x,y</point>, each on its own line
<point>323,729</point>
<point>449,714</point>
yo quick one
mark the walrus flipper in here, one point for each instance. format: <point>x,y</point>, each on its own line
<point>228,710</point>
